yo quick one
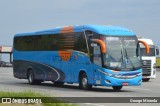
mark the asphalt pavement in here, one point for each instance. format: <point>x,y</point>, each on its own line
<point>147,89</point>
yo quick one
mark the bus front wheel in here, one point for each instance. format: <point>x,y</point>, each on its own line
<point>83,84</point>
<point>117,88</point>
<point>146,79</point>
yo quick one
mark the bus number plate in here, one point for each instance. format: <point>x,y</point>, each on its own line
<point>125,83</point>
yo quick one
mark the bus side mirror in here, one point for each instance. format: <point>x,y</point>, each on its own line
<point>101,43</point>
<point>157,51</point>
<point>146,46</point>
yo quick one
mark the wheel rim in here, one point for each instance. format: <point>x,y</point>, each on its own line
<point>84,82</point>
<point>30,78</point>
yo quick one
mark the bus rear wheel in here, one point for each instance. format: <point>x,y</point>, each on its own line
<point>83,83</point>
<point>31,78</point>
<point>117,88</point>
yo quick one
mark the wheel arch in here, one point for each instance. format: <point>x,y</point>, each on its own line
<point>81,72</point>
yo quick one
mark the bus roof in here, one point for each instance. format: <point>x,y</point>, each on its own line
<point>105,30</point>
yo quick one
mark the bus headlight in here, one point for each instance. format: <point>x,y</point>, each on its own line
<point>154,65</point>
<point>139,74</point>
<point>144,62</point>
<point>107,74</point>
<point>154,72</point>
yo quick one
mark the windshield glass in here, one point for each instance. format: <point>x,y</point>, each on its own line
<point>152,51</point>
<point>122,53</point>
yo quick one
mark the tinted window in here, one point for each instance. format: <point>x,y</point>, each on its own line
<point>80,42</point>
<point>51,42</point>
<point>36,43</point>
<point>46,42</point>
<point>24,43</point>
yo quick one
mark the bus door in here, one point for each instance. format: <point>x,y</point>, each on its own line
<point>94,52</point>
<point>97,61</point>
<point>79,60</point>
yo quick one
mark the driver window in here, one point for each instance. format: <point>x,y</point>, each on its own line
<point>97,55</point>
<point>91,35</point>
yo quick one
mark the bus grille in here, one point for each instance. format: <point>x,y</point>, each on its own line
<point>146,67</point>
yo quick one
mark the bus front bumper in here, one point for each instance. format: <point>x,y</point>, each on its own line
<point>111,81</point>
<point>120,78</point>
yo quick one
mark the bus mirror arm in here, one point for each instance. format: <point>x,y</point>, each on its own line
<point>146,46</point>
<point>101,43</point>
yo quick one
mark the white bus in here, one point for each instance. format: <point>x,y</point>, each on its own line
<point>149,60</point>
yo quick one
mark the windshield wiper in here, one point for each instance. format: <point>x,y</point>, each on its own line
<point>127,57</point>
<point>121,59</point>
<point>122,56</point>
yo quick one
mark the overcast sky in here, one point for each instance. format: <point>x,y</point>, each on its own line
<point>140,16</point>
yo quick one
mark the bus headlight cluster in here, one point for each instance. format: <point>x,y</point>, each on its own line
<point>144,62</point>
<point>121,76</point>
<point>154,72</point>
<point>107,74</point>
<point>154,65</point>
<point>139,74</point>
<point>124,77</point>
<point>127,77</point>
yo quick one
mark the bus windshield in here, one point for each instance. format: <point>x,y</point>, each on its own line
<point>152,51</point>
<point>123,53</point>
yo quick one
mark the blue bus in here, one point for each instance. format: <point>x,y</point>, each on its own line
<point>91,55</point>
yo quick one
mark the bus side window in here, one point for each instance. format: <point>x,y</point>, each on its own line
<point>66,41</point>
<point>18,43</point>
<point>54,44</point>
<point>97,55</point>
<point>80,42</point>
<point>25,43</point>
<point>89,35</point>
<point>48,42</point>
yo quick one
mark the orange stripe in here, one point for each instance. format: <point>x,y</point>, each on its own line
<point>67,29</point>
<point>146,46</point>
<point>65,55</point>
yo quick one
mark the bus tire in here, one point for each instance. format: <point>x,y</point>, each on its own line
<point>117,88</point>
<point>146,79</point>
<point>83,83</point>
<point>31,78</point>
